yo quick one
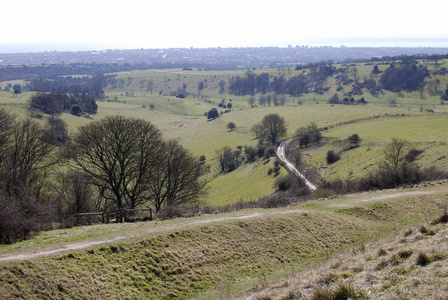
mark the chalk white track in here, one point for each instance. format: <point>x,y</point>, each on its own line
<point>291,167</point>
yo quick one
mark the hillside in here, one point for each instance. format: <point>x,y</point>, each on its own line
<point>409,264</point>
<point>152,95</point>
<point>208,256</point>
<point>221,255</point>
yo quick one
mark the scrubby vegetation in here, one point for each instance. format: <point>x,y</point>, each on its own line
<point>411,268</point>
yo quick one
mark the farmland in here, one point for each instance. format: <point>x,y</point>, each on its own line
<point>223,251</point>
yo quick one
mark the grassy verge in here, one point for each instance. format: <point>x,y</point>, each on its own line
<point>215,260</point>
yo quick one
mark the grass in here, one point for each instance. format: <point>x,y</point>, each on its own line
<point>250,182</point>
<point>375,134</point>
<point>414,268</point>
<point>190,258</point>
<point>183,119</point>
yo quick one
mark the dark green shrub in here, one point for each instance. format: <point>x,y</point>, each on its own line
<point>332,157</point>
<point>285,182</point>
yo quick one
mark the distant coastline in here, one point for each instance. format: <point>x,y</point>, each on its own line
<point>418,42</point>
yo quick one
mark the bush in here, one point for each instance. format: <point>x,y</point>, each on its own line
<point>21,216</point>
<point>171,212</point>
<point>381,252</point>
<point>422,259</point>
<point>76,110</point>
<point>285,182</point>
<point>305,140</point>
<point>251,153</point>
<point>405,253</point>
<point>269,152</point>
<point>412,155</point>
<point>342,291</point>
<point>231,126</point>
<point>323,193</point>
<point>332,157</point>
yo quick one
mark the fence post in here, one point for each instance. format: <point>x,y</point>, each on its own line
<point>150,214</point>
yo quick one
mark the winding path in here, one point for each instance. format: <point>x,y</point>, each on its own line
<point>350,201</point>
<point>291,167</point>
<point>81,245</point>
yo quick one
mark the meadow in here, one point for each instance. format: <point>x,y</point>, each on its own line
<point>183,119</point>
<point>375,135</point>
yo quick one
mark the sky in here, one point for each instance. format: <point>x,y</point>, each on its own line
<point>132,24</point>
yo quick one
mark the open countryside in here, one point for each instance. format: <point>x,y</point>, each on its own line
<point>170,183</point>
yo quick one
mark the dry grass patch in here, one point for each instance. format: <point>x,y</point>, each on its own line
<point>417,269</point>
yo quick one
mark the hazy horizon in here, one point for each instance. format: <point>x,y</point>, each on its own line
<point>49,25</point>
<point>424,42</point>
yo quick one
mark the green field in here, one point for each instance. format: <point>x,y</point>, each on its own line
<point>217,256</point>
<point>184,119</point>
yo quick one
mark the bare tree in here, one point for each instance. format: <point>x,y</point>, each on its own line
<point>6,122</point>
<point>176,178</point>
<point>74,193</point>
<point>222,86</point>
<point>251,100</point>
<point>257,130</point>
<point>27,158</point>
<point>394,153</point>
<point>117,154</point>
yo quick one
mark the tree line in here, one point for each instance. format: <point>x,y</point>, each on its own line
<point>71,85</point>
<point>108,165</point>
<point>53,71</point>
<point>56,103</point>
<point>252,84</point>
<point>77,95</point>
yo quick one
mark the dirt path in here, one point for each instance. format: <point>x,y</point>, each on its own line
<point>291,167</point>
<point>371,198</point>
<point>188,223</point>
<point>350,201</point>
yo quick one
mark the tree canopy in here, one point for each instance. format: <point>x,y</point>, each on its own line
<point>212,114</point>
<point>271,128</point>
<point>130,164</point>
<point>408,77</point>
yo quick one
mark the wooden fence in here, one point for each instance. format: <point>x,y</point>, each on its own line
<point>127,215</point>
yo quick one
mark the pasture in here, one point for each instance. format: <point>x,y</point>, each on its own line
<point>149,95</point>
<point>423,132</point>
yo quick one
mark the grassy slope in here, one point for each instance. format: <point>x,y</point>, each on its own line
<point>183,119</point>
<point>216,259</point>
<point>204,138</point>
<point>384,269</point>
<point>424,132</point>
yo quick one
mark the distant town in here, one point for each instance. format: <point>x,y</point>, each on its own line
<point>216,58</point>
